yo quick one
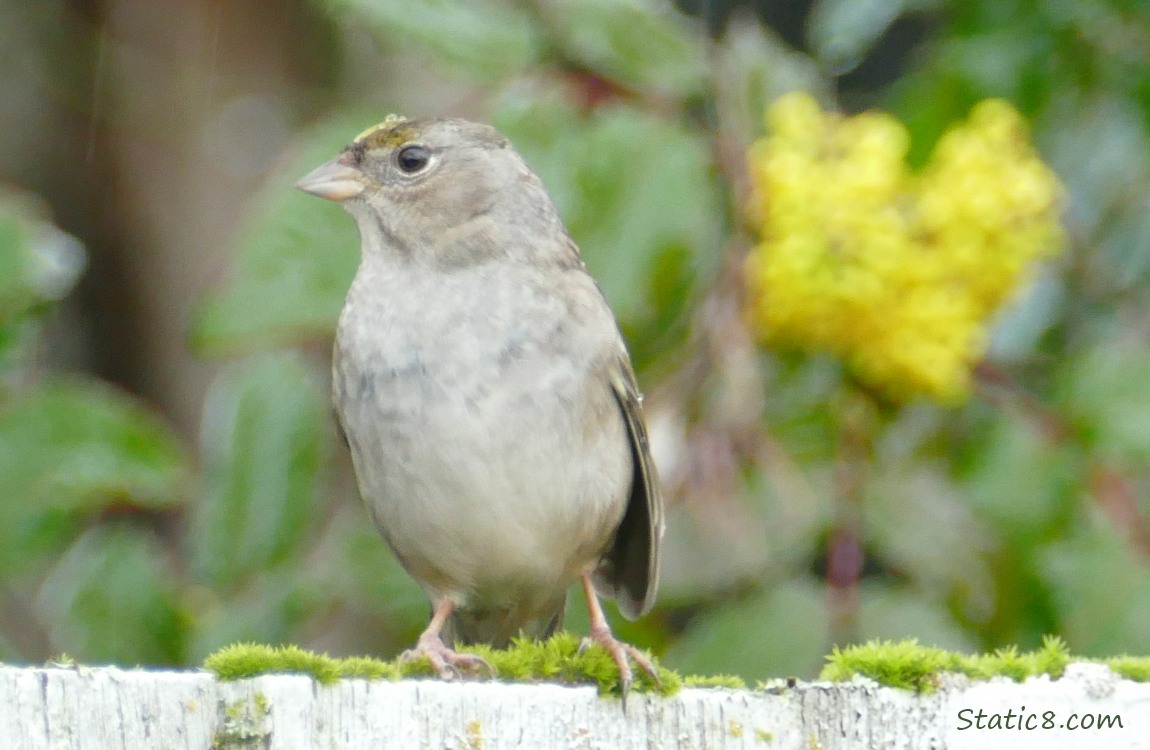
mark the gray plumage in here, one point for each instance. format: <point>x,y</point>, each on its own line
<point>486,394</point>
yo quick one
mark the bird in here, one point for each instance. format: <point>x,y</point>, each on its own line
<point>486,394</point>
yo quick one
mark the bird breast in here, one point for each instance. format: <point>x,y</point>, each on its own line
<point>484,433</point>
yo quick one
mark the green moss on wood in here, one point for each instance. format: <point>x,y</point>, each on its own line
<point>906,664</point>
<point>727,681</point>
<point>243,725</point>
<point>557,659</point>
<point>1136,668</point>
<point>902,664</point>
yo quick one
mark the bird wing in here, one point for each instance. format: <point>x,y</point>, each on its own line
<point>631,565</point>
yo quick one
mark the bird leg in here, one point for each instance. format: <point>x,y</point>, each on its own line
<point>601,633</point>
<point>445,661</point>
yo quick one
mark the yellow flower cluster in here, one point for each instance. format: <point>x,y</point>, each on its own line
<point>896,272</point>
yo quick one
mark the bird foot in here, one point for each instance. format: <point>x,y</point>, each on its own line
<point>623,654</point>
<point>447,663</point>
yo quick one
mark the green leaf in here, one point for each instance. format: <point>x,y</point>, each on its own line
<point>349,571</point>
<point>275,605</point>
<point>263,445</point>
<point>113,597</point>
<point>359,570</point>
<point>17,343</point>
<point>754,67</point>
<point>38,261</point>
<point>919,524</point>
<point>842,31</point>
<point>775,527</point>
<point>706,555</point>
<point>800,386</point>
<point>295,257</point>
<point>896,612</point>
<point>1026,486</point>
<point>638,194</point>
<point>1103,393</point>
<point>78,444</point>
<point>74,445</point>
<point>643,44</point>
<point>778,633</point>
<point>1102,154</point>
<point>17,278</point>
<point>485,41</point>
<point>1101,590</point>
<point>1019,328</point>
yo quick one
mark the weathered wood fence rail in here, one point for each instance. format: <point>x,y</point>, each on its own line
<point>109,708</point>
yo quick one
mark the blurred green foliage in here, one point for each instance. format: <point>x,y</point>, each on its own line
<point>601,168</point>
<point>294,261</point>
<point>78,461</point>
<point>1022,513</point>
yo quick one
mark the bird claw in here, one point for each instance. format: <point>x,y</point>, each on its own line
<point>448,663</point>
<point>620,652</point>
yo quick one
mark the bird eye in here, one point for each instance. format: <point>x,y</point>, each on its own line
<point>413,158</point>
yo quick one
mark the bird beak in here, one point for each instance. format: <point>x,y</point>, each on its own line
<point>334,181</point>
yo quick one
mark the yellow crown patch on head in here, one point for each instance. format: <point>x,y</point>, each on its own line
<point>387,133</point>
